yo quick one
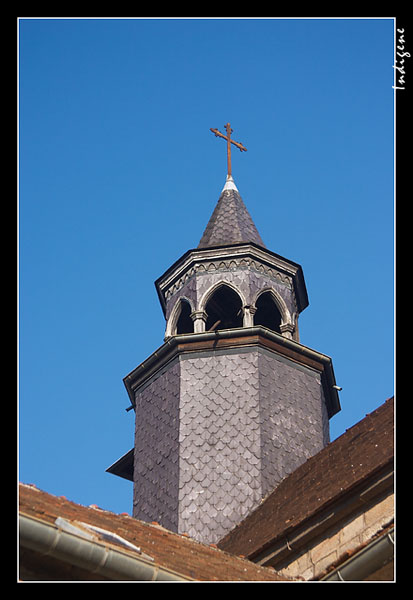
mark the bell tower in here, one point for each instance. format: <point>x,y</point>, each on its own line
<point>232,402</point>
<point>231,280</point>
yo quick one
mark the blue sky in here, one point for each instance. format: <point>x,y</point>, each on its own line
<point>119,174</point>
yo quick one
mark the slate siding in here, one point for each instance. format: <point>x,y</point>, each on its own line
<point>216,431</point>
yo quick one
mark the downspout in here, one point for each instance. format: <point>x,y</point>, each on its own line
<point>95,557</point>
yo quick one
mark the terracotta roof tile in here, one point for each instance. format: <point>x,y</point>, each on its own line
<point>361,451</point>
<point>169,550</point>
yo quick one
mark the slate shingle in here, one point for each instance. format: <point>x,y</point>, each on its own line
<point>230,223</point>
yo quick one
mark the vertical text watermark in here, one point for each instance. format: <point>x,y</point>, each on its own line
<point>399,65</point>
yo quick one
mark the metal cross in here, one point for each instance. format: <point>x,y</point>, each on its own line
<point>229,142</point>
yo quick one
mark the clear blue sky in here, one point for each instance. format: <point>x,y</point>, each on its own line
<point>119,174</point>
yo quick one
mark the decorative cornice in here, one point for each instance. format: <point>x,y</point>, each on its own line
<point>236,256</point>
<point>236,338</point>
<point>227,265</point>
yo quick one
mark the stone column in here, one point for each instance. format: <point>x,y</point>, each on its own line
<point>199,318</point>
<point>287,330</point>
<point>249,312</point>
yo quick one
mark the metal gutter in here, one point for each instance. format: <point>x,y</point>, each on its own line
<point>366,562</point>
<point>89,554</point>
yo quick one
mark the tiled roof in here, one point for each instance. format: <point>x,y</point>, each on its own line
<point>172,551</point>
<point>230,222</point>
<point>356,455</point>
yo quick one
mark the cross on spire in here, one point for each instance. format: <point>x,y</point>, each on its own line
<point>229,142</point>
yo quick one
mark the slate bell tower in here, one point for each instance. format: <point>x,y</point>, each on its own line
<point>232,402</point>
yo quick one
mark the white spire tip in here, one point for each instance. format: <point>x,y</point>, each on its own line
<point>229,184</point>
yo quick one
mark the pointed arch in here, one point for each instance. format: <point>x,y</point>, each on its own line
<point>210,291</point>
<point>272,317</point>
<point>179,320</point>
<point>223,304</point>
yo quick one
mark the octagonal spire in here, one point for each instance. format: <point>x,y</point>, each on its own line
<point>230,222</point>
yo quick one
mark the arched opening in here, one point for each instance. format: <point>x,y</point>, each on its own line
<point>224,310</point>
<point>267,314</point>
<point>184,323</point>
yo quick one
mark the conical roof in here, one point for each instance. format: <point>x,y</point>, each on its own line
<point>230,222</point>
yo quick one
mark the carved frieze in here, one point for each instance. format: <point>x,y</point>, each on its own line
<point>215,266</point>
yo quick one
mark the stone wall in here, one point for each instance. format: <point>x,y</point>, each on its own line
<point>342,540</point>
